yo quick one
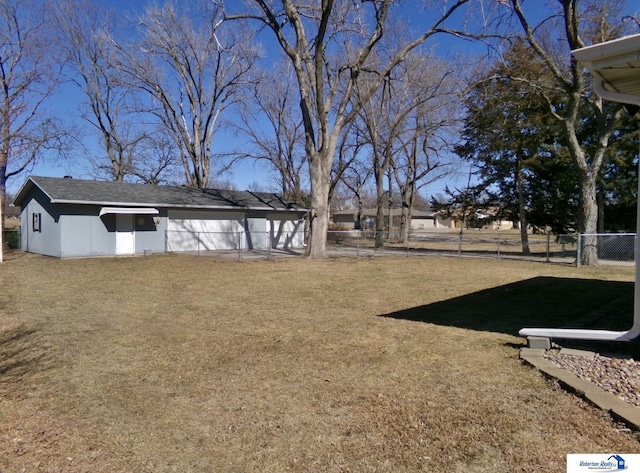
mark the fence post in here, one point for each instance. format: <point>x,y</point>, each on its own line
<point>269,245</point>
<point>579,250</point>
<point>548,246</point>
<point>460,244</point>
<point>198,240</point>
<point>498,249</point>
<point>239,246</point>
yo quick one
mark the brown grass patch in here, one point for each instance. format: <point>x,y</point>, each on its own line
<point>174,363</point>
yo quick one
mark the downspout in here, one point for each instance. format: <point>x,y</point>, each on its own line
<point>613,96</point>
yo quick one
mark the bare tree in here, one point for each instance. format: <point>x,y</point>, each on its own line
<point>330,44</point>
<point>28,77</point>
<point>271,122</point>
<point>355,178</point>
<point>408,126</point>
<point>347,155</point>
<point>381,121</point>
<point>191,65</point>
<point>422,154</point>
<point>575,24</point>
<point>156,160</point>
<point>110,102</point>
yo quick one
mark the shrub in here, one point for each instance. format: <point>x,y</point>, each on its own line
<point>12,239</point>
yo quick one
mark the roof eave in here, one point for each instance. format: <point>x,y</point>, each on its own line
<point>24,190</point>
<point>605,51</point>
<point>165,205</point>
<point>600,57</point>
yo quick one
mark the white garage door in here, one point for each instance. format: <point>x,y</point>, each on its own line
<point>286,233</point>
<point>190,230</point>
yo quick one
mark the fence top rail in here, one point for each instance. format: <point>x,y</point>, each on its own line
<point>607,234</point>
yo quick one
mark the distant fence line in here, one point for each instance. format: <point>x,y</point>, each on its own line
<point>611,248</point>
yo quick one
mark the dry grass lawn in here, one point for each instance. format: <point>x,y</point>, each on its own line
<point>182,364</point>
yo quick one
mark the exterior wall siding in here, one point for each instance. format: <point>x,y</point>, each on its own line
<point>84,233</point>
<point>257,232</point>
<point>45,238</point>
<point>423,223</point>
<point>202,230</point>
<point>150,231</point>
<point>287,230</point>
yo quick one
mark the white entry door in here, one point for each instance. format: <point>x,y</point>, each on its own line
<point>125,236</point>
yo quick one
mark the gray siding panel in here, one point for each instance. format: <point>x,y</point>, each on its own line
<point>257,232</point>
<point>149,235</point>
<point>46,241</point>
<point>86,235</point>
<point>91,235</point>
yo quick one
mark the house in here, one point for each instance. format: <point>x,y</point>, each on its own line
<point>486,219</point>
<point>67,217</point>
<point>420,220</point>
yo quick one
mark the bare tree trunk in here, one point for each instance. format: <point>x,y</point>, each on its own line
<point>589,224</point>
<point>319,220</point>
<point>522,211</point>
<point>2,197</point>
<point>405,223</point>
<point>600,198</point>
<point>360,209</point>
<point>379,171</point>
<point>3,186</point>
<point>407,193</point>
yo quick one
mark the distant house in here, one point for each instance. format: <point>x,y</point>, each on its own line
<point>487,219</point>
<point>420,220</point>
<point>74,218</point>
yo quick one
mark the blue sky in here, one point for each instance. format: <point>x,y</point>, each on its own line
<point>67,104</point>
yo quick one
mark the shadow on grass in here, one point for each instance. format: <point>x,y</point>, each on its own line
<point>539,302</point>
<point>21,354</point>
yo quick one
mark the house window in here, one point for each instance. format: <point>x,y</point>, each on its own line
<point>36,222</point>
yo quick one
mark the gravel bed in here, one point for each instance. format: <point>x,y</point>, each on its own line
<point>620,376</point>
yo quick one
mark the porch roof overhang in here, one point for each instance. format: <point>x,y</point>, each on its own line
<point>615,66</point>
<point>128,211</point>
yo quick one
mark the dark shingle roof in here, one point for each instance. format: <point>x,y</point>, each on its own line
<point>78,191</point>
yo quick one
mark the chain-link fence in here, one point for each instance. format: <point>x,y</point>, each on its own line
<point>478,243</point>
<point>616,248</point>
<point>240,245</point>
<point>606,248</point>
<point>567,249</point>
